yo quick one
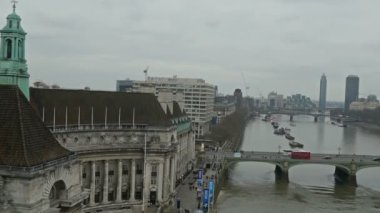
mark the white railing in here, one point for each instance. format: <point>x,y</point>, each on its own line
<point>102,127</point>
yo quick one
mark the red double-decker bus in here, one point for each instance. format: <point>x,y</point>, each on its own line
<point>301,155</point>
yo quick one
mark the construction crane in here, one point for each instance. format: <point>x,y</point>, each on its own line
<point>245,84</point>
<point>146,73</point>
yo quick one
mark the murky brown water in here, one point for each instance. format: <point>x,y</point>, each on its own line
<point>251,186</point>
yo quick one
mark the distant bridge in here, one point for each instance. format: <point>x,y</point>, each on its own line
<point>346,166</point>
<point>292,113</point>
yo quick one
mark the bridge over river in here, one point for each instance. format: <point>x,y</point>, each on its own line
<point>292,113</point>
<point>346,166</point>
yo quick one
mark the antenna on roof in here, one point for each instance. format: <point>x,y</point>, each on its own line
<point>14,2</point>
<point>146,73</point>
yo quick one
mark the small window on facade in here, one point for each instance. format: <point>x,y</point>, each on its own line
<point>138,169</point>
<point>154,171</point>
<point>125,170</point>
<point>84,175</point>
<point>9,48</point>
<point>97,174</point>
<point>10,24</point>
<point>153,181</point>
<point>111,172</point>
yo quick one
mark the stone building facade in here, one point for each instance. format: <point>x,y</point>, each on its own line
<point>36,173</point>
<point>81,150</point>
<point>115,134</point>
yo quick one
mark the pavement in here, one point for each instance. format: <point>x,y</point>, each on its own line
<point>186,192</point>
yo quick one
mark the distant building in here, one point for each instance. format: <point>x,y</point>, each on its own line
<point>299,102</point>
<point>352,91</point>
<point>198,97</point>
<point>370,103</point>
<point>124,85</point>
<point>275,100</point>
<point>224,106</point>
<point>322,93</point>
<point>238,98</point>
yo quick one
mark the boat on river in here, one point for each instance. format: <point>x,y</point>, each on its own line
<point>342,125</point>
<point>289,137</point>
<point>294,144</point>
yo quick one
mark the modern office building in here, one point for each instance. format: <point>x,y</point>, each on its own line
<point>322,93</point>
<point>198,97</point>
<point>352,91</point>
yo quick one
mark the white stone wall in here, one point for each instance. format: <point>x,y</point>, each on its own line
<point>32,195</point>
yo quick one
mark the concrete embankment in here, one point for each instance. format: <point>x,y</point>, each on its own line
<point>232,129</point>
<point>228,135</point>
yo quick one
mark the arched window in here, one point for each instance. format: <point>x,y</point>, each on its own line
<point>57,192</point>
<point>18,25</point>
<point>10,24</point>
<point>8,53</point>
<point>20,49</point>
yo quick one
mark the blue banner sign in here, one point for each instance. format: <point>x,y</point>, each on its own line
<point>200,174</point>
<point>211,188</point>
<point>205,198</point>
<point>200,182</point>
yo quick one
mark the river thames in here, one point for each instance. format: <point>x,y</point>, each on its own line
<point>251,186</point>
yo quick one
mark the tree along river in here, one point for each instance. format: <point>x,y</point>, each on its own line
<point>251,186</point>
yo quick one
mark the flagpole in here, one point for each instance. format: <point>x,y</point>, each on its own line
<point>143,202</point>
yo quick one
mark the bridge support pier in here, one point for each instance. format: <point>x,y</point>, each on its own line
<point>281,174</point>
<point>341,176</point>
<point>315,118</point>
<point>291,117</point>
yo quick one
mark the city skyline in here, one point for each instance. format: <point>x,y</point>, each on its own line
<point>270,51</point>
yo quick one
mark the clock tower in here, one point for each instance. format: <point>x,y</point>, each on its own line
<point>13,68</point>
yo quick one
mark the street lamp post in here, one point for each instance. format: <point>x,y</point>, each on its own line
<point>279,148</point>
<point>143,190</point>
<point>339,150</point>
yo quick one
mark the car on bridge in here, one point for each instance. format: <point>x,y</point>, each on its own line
<point>327,157</point>
<point>376,159</point>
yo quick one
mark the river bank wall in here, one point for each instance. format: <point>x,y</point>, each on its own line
<point>231,132</point>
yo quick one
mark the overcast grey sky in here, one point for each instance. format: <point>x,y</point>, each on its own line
<point>280,45</point>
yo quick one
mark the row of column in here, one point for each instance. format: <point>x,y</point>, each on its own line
<point>147,181</point>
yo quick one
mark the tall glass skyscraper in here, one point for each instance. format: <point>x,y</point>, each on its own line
<point>352,91</point>
<point>322,93</point>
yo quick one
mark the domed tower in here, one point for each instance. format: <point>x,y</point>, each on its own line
<point>13,68</point>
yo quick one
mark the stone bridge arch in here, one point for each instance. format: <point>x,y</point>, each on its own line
<point>344,168</point>
<point>363,167</point>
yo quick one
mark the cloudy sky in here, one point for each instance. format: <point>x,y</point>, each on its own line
<point>280,45</point>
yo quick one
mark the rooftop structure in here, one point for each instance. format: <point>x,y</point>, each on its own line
<point>198,97</point>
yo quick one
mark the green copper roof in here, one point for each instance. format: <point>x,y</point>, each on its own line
<point>13,24</point>
<point>14,16</point>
